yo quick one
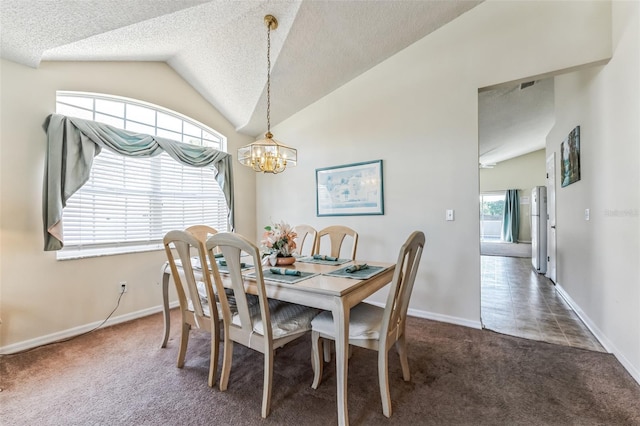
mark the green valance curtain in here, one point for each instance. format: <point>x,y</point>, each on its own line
<point>511,216</point>
<point>72,143</point>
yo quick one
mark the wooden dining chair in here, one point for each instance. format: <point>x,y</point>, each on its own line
<point>193,296</point>
<point>336,235</point>
<point>376,328</point>
<point>307,237</point>
<point>264,326</point>
<point>202,232</point>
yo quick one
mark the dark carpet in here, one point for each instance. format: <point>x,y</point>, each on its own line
<point>460,376</point>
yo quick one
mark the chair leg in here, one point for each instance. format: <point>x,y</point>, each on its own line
<point>213,364</point>
<point>327,350</point>
<point>227,360</point>
<point>268,381</point>
<point>401,347</point>
<point>383,379</point>
<point>316,357</point>
<point>184,341</point>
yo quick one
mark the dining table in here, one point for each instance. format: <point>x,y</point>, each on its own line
<point>326,287</point>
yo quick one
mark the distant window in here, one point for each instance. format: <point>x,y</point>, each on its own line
<point>129,204</point>
<point>491,211</point>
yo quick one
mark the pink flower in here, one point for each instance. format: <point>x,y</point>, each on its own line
<point>279,238</point>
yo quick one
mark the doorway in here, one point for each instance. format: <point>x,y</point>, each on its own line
<point>515,299</point>
<point>551,217</point>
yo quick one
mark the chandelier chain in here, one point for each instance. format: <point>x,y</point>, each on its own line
<point>267,155</point>
<point>268,78</point>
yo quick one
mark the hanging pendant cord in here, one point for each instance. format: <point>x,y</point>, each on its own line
<point>269,80</point>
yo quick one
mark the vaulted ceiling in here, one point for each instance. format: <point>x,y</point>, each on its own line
<point>514,120</point>
<point>219,46</point>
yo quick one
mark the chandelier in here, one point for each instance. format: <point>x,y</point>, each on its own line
<point>268,155</point>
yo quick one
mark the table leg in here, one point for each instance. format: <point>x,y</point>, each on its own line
<point>341,321</point>
<point>165,305</point>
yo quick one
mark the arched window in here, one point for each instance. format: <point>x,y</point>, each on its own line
<point>129,203</point>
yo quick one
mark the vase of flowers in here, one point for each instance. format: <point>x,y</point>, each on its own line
<point>284,261</point>
<point>278,244</point>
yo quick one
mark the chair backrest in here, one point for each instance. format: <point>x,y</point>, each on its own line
<point>201,232</point>
<point>306,233</point>
<point>185,245</point>
<point>404,277</point>
<point>232,245</point>
<point>336,235</point>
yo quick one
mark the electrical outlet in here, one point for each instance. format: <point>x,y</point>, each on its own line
<point>122,287</point>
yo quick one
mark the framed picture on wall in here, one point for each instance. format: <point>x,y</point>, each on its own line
<point>570,158</point>
<point>350,189</point>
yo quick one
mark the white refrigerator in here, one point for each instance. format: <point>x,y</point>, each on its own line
<point>539,229</point>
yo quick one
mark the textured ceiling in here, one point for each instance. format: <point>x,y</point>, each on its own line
<point>514,121</point>
<point>219,46</point>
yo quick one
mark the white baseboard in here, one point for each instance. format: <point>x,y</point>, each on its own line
<point>436,317</point>
<point>54,337</point>
<point>604,341</point>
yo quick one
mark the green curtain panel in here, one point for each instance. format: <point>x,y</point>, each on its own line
<point>72,143</point>
<point>511,216</point>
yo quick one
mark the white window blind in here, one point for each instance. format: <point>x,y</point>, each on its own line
<point>129,204</point>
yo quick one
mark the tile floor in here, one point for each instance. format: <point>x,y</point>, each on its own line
<point>519,302</point>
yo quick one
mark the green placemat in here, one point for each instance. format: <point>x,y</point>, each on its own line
<point>225,269</point>
<point>288,279</point>
<point>362,274</point>
<point>322,261</point>
<point>195,262</point>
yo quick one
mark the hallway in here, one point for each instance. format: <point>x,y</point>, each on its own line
<point>519,302</point>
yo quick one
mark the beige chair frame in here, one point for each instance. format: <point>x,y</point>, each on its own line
<point>185,244</point>
<point>232,245</point>
<point>306,233</point>
<point>393,321</point>
<point>201,232</point>
<point>337,234</point>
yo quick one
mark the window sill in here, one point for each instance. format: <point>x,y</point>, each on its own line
<point>72,254</point>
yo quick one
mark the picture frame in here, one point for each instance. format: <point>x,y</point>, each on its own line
<point>350,189</point>
<point>570,158</point>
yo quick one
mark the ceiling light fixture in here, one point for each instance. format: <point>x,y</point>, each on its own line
<point>268,155</point>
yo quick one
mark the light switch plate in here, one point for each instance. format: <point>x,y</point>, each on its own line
<point>450,215</point>
<point>586,214</point>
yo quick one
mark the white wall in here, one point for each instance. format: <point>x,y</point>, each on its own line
<point>523,172</point>
<point>417,111</point>
<point>42,297</point>
<point>599,260</point>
